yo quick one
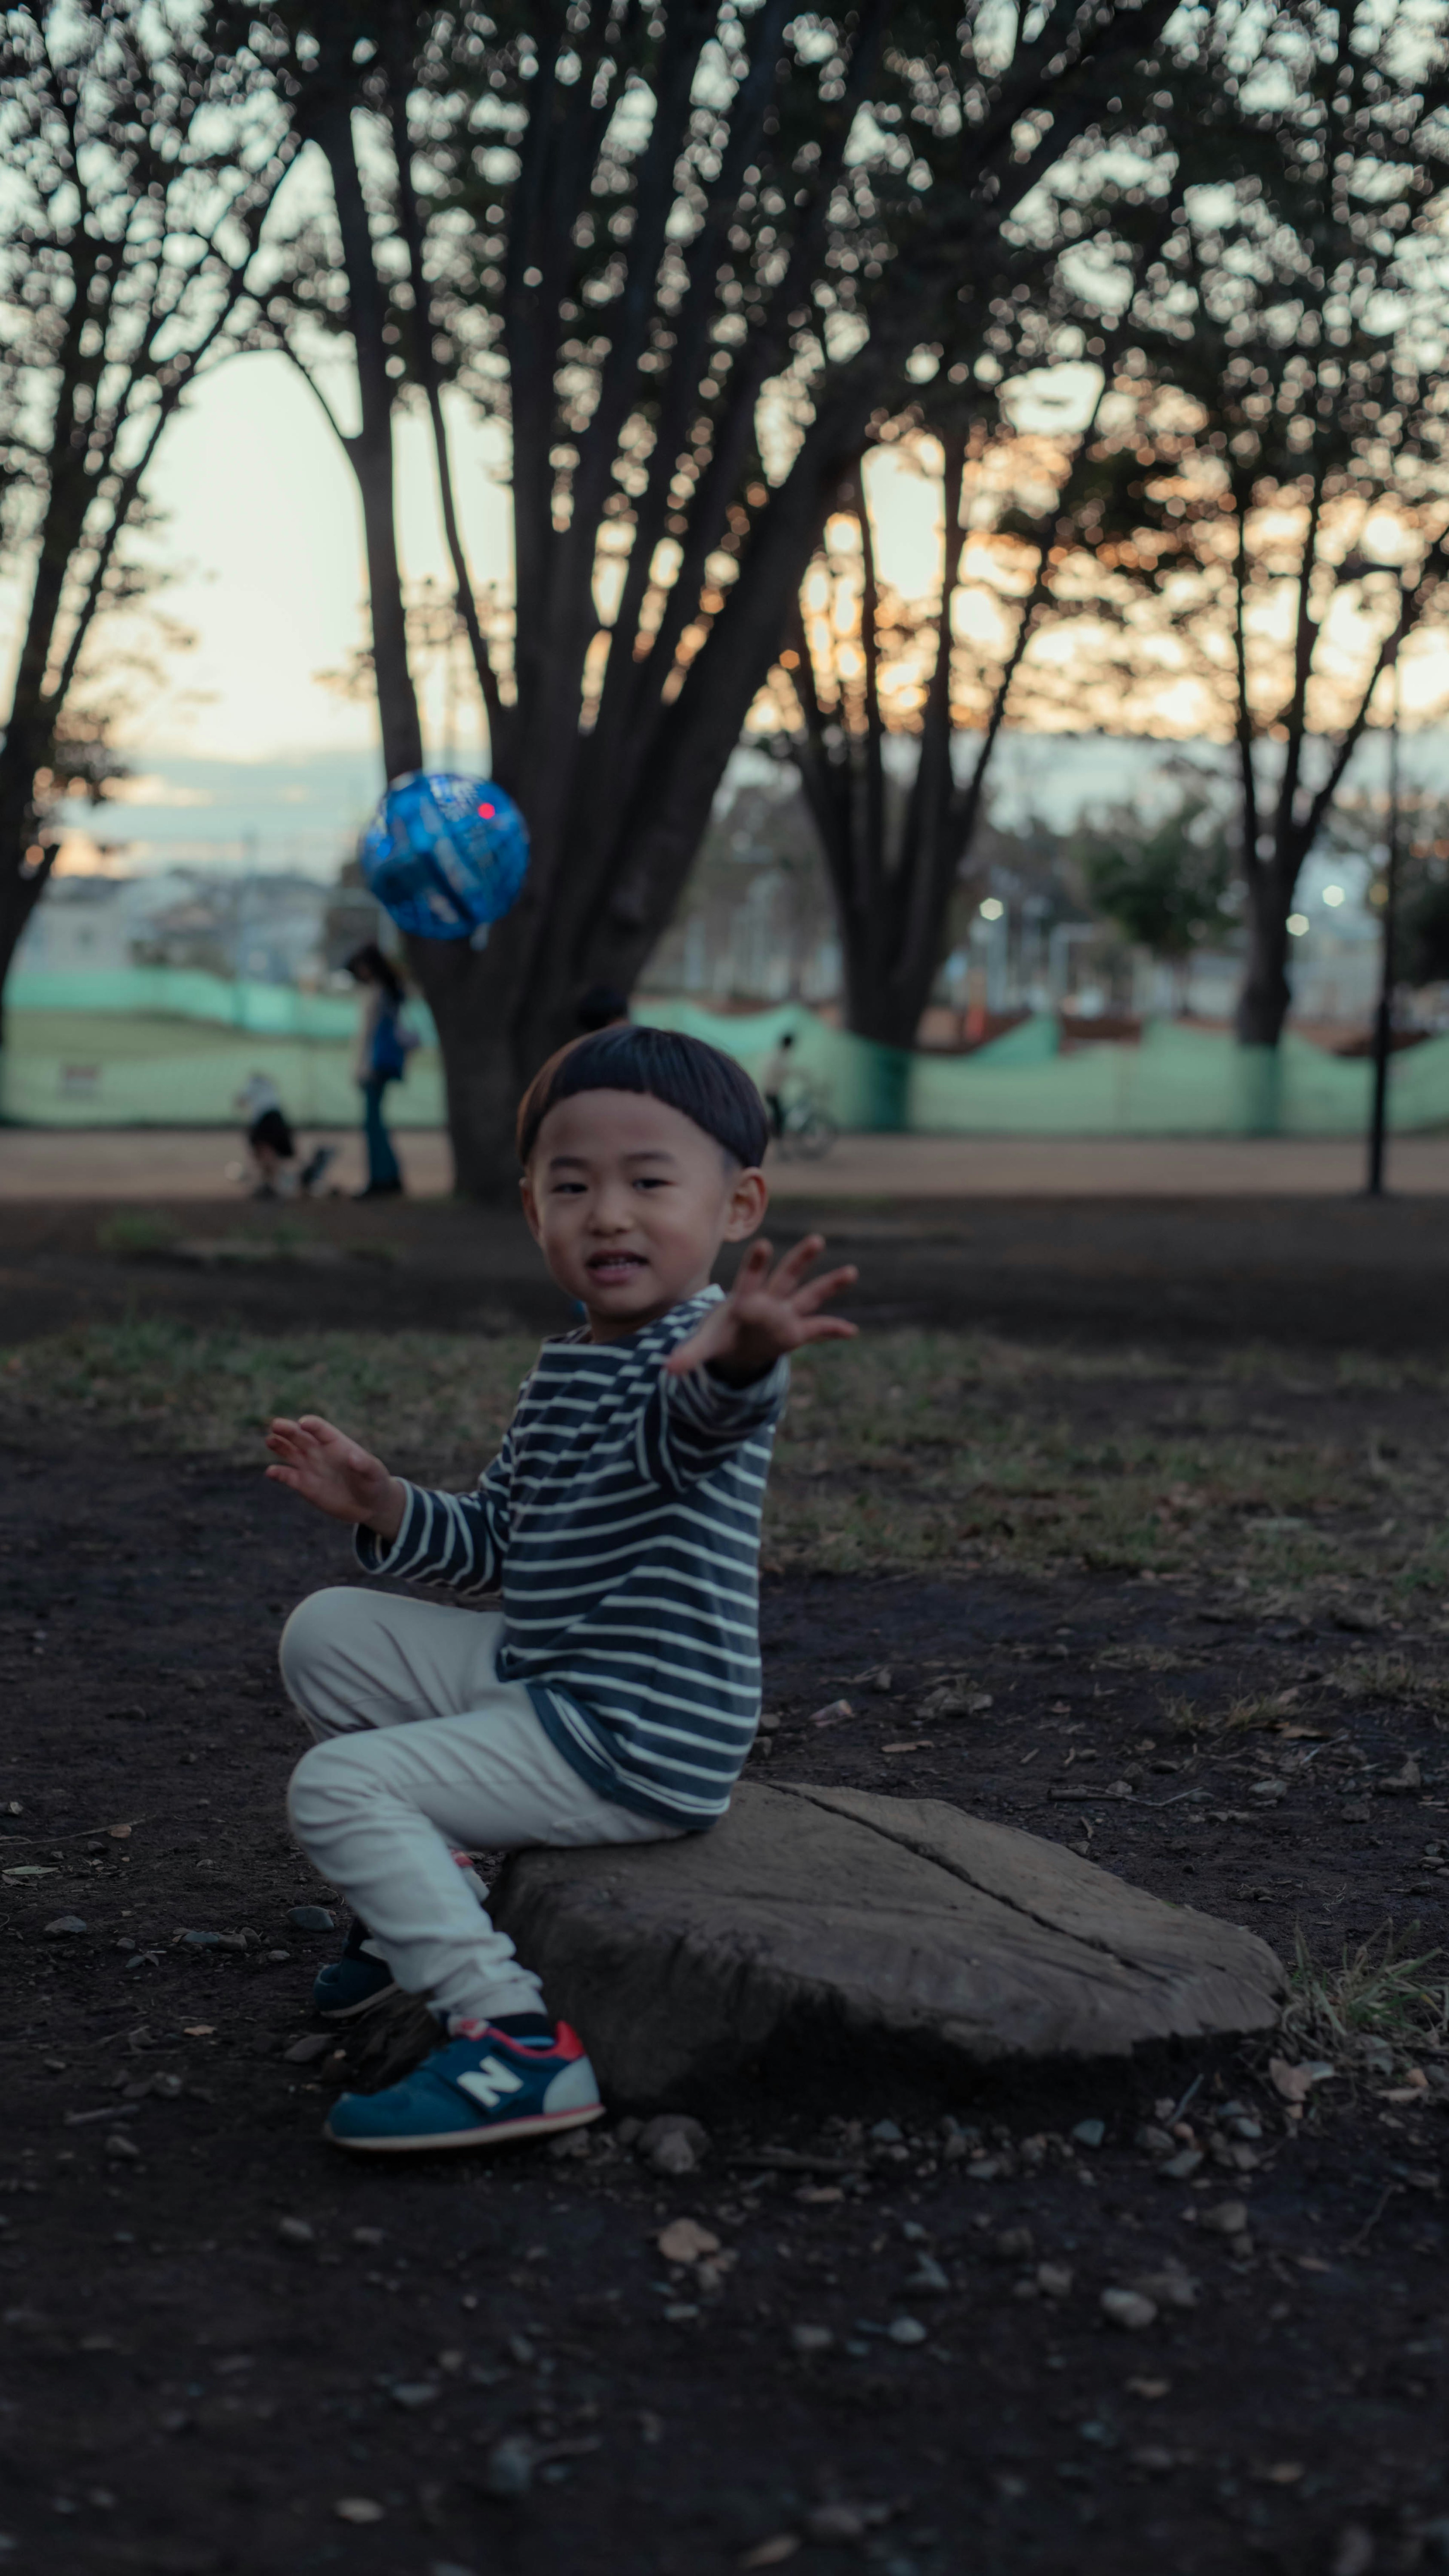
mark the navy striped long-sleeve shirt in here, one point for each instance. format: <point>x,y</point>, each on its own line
<point>621,1522</point>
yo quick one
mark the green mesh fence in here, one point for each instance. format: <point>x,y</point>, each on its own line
<point>1179,1081</point>
<point>156,1046</point>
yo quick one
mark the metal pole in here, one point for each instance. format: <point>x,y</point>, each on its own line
<point>1383,1018</point>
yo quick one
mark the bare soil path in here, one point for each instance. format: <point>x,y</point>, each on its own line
<point>146,1163</point>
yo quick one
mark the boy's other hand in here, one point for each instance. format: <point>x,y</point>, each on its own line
<point>336,1475</point>
<point>766,1314</point>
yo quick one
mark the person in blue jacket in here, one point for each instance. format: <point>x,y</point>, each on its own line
<point>384,1043</point>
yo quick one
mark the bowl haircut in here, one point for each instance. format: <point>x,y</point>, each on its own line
<point>698,1080</point>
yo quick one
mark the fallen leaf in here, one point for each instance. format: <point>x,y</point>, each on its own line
<point>772,2552</point>
<point>954,1699</point>
<point>1151,2389</point>
<point>921,1746</point>
<point>830,1715</point>
<point>1293,2084</point>
<point>1280,2473</point>
<point>357,2509</point>
<point>198,2030</point>
<point>684,2241</point>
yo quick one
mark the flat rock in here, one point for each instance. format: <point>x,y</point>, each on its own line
<point>822,1917</point>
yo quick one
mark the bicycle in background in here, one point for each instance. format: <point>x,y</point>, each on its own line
<point>806,1131</point>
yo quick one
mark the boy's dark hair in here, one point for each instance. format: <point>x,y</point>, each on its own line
<point>684,1073</point>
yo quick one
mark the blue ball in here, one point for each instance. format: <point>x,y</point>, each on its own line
<point>444,855</point>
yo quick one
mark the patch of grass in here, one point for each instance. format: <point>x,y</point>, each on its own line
<point>438,1401</point>
<point>1376,1677</point>
<point>135,1231</point>
<point>1374,2009</point>
<point>899,1450</point>
<point>1256,1708</point>
<point>1179,1715</point>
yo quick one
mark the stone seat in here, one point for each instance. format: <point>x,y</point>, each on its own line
<point>819,1918</point>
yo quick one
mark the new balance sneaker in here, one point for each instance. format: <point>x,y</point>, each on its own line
<point>481,2088</point>
<point>355,1982</point>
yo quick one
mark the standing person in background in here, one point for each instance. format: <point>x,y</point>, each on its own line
<point>384,1043</point>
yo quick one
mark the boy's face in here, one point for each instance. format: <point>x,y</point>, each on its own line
<point>630,1202</point>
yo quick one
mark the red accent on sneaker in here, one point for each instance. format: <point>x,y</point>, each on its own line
<point>567,2043</point>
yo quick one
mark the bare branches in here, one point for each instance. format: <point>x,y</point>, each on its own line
<point>141,161</point>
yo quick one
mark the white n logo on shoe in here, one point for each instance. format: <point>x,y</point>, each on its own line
<point>489,2085</point>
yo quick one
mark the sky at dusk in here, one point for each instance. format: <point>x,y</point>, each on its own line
<point>264,524</point>
<point>250,756</point>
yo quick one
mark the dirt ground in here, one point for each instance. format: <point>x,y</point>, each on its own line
<point>224,2348</point>
<point>1327,1271</point>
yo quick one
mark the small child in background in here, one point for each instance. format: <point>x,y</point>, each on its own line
<point>614,1696</point>
<point>272,1144</point>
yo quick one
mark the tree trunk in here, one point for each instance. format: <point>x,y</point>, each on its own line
<point>370,450</point>
<point>611,849</point>
<point>616,772</point>
<point>20,891</point>
<point>1266,993</point>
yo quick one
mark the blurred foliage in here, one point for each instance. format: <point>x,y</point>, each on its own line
<point>1164,883</point>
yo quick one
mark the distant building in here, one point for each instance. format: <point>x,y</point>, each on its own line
<point>266,929</point>
<point>81,925</point>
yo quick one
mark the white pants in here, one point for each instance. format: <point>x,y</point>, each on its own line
<point>421,1748</point>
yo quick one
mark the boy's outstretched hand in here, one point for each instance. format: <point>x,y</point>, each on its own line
<point>766,1314</point>
<point>335,1474</point>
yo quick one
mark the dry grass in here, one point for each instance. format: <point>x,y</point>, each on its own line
<point>903,1450</point>
<point>435,1401</point>
<point>1374,2010</point>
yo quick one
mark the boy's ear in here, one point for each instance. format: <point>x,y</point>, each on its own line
<point>530,1208</point>
<point>749,1198</point>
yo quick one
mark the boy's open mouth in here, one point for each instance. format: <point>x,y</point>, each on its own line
<point>610,1268</point>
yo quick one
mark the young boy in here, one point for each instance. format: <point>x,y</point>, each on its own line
<point>615,1696</point>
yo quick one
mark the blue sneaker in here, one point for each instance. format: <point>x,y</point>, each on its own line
<point>356,1981</point>
<point>478,2090</point>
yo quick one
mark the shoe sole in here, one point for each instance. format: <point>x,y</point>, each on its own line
<point>496,2134</point>
<point>350,2012</point>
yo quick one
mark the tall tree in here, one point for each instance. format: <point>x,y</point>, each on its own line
<point>685,253</point>
<point>882,667</point>
<point>1273,501</point>
<point>143,145</point>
